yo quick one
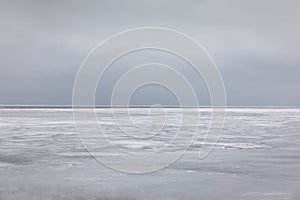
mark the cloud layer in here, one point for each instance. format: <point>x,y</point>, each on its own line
<point>254,43</point>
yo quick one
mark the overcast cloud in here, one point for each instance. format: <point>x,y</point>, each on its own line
<point>254,43</point>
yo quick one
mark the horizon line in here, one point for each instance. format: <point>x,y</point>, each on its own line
<point>3,106</point>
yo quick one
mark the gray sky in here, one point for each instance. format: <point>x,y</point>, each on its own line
<point>254,43</point>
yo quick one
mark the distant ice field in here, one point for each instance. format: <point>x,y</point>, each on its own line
<point>256,157</point>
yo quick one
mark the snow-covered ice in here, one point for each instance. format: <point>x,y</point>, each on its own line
<point>257,157</point>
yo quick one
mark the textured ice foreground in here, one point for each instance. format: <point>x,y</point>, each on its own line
<point>257,157</point>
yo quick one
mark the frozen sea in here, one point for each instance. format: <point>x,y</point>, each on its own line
<point>257,157</point>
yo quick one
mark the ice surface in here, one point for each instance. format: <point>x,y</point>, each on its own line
<point>257,157</point>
